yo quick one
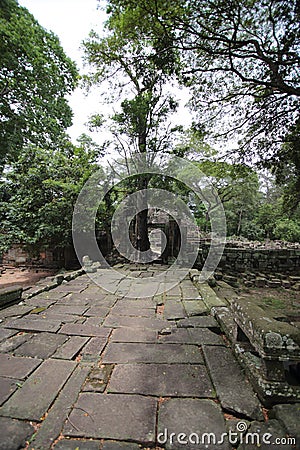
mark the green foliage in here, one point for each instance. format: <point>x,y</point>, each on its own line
<point>288,230</point>
<point>38,194</point>
<point>35,76</point>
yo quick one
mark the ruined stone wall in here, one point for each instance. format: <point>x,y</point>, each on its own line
<point>280,260</point>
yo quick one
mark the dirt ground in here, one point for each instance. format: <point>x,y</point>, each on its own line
<point>23,277</point>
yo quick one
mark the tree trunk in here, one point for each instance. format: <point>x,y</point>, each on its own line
<point>141,225</point>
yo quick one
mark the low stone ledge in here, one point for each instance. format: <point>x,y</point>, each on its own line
<point>270,338</point>
<point>10,295</point>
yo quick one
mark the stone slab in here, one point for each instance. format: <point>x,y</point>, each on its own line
<point>14,433</point>
<point>120,446</point>
<point>17,367</point>
<point>70,348</point>
<point>97,311</point>
<point>165,380</point>
<point>138,303</point>
<point>195,307</point>
<point>68,309</point>
<point>14,342</point>
<point>123,310</point>
<point>95,346</point>
<point>194,336</point>
<point>233,390</point>
<point>84,330</point>
<point>5,333</point>
<point>75,444</point>
<point>120,353</point>
<point>134,322</point>
<point>198,322</point>
<point>193,417</point>
<point>41,345</point>
<point>53,423</point>
<point>98,378</point>
<point>273,430</point>
<point>16,310</point>
<point>209,296</point>
<point>126,417</point>
<point>174,310</point>
<point>7,387</point>
<point>35,324</point>
<point>39,390</point>
<point>289,416</point>
<point>124,334</point>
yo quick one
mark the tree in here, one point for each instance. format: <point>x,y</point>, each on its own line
<point>136,74</point>
<point>38,193</point>
<point>35,76</point>
<point>241,61</point>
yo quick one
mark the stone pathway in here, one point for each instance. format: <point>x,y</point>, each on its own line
<point>81,368</point>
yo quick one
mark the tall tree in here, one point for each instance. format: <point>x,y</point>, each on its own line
<point>136,74</point>
<point>38,193</point>
<point>241,61</point>
<point>35,76</point>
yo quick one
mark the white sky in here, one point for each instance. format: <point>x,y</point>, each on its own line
<point>71,21</point>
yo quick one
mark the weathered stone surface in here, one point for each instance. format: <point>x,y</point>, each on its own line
<point>209,296</point>
<point>234,392</point>
<point>34,324</point>
<point>195,336</point>
<point>10,295</point>
<point>155,353</point>
<point>97,311</point>
<point>68,309</point>
<point>124,334</point>
<point>39,390</point>
<point>13,342</point>
<point>98,378</point>
<point>94,347</point>
<point>165,380</point>
<point>7,387</point>
<point>84,330</point>
<point>15,310</point>
<point>195,307</point>
<point>193,417</point>
<point>123,422</point>
<point>270,430</point>
<point>174,310</point>
<point>122,309</point>
<point>14,433</point>
<point>134,322</point>
<point>17,367</point>
<point>52,425</point>
<point>289,415</point>
<point>198,322</point>
<point>75,444</point>
<point>41,345</point>
<point>120,446</point>
<point>5,333</point>
<point>70,348</point>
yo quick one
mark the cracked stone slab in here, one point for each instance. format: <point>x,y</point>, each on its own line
<point>120,446</point>
<point>165,380</point>
<point>70,348</point>
<point>195,307</point>
<point>127,417</point>
<point>98,378</point>
<point>68,309</point>
<point>35,324</point>
<point>97,311</point>
<point>39,390</point>
<point>123,310</point>
<point>5,333</point>
<point>7,388</point>
<point>94,347</point>
<point>174,310</point>
<point>226,374</point>
<point>289,415</point>
<point>14,342</point>
<point>120,353</point>
<point>194,336</point>
<point>198,322</point>
<point>52,425</point>
<point>272,429</point>
<point>124,334</point>
<point>191,417</point>
<point>14,433</point>
<point>17,366</point>
<point>75,444</point>
<point>84,330</point>
<point>135,322</point>
<point>41,345</point>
